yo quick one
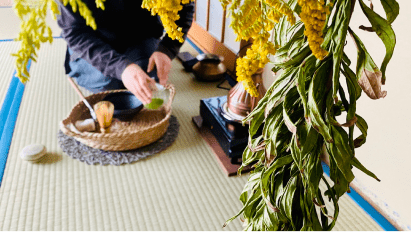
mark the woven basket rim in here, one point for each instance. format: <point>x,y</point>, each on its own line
<point>88,135</point>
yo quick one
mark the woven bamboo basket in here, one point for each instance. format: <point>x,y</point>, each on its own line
<point>145,128</point>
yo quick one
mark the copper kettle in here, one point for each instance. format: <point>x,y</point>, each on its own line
<point>209,67</point>
<point>240,102</point>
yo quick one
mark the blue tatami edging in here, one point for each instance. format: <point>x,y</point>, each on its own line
<point>8,117</point>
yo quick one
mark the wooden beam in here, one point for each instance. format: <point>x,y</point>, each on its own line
<point>195,10</point>
<point>223,25</point>
<point>208,15</point>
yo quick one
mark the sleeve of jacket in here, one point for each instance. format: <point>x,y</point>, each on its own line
<point>171,47</point>
<point>86,44</point>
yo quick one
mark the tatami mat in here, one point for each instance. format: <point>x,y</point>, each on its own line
<point>181,188</point>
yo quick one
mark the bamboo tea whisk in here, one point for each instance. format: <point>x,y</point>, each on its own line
<point>104,111</point>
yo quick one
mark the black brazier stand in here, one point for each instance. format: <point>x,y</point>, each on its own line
<point>232,136</point>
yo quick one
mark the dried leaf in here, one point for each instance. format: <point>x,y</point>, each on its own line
<point>271,206</point>
<point>369,76</point>
<point>370,83</point>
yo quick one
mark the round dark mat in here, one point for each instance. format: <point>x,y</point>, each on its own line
<point>89,155</point>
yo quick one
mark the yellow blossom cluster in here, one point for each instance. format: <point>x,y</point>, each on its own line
<point>278,9</point>
<point>168,12</point>
<point>84,10</point>
<point>32,33</point>
<point>313,15</point>
<point>33,28</point>
<point>253,19</point>
<point>100,4</point>
<point>255,58</point>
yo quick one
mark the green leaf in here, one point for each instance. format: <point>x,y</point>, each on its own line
<point>280,32</point>
<point>292,54</point>
<point>248,206</point>
<point>271,130</point>
<point>281,87</point>
<point>294,6</point>
<point>260,107</point>
<point>316,226</point>
<point>350,75</point>
<point>341,152</point>
<point>269,221</point>
<point>305,214</point>
<point>280,137</point>
<point>278,187</point>
<point>336,207</point>
<point>310,142</point>
<point>362,125</point>
<point>352,87</point>
<point>313,169</point>
<point>248,155</point>
<point>356,163</point>
<point>343,16</point>
<point>341,184</point>
<point>278,163</point>
<point>272,122</point>
<point>296,46</point>
<point>384,30</point>
<point>329,105</point>
<point>291,101</point>
<point>255,124</point>
<point>391,8</point>
<point>295,152</point>
<point>286,201</point>
<point>316,94</point>
<point>291,39</point>
<point>305,72</point>
<point>346,59</point>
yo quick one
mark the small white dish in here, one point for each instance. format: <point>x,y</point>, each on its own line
<point>33,152</point>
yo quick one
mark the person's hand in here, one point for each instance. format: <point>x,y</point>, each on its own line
<point>137,81</point>
<point>163,64</point>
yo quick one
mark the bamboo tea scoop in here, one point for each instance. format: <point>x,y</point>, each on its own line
<point>92,113</point>
<point>104,111</point>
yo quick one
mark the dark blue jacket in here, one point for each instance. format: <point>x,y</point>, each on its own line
<point>122,24</point>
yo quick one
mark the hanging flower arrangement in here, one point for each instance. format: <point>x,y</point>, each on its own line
<point>298,113</point>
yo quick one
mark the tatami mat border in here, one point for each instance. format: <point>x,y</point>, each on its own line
<point>194,46</point>
<point>8,117</point>
<point>12,40</point>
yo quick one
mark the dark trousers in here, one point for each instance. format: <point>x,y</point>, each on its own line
<point>92,79</point>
